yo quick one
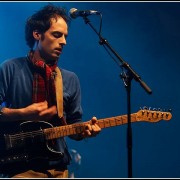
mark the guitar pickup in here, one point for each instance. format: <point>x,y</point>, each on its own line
<point>11,142</point>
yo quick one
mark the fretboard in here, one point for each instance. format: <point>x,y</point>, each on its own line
<point>56,132</point>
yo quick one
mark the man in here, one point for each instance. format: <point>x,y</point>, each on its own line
<point>29,103</point>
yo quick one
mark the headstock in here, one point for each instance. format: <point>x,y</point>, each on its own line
<point>154,115</point>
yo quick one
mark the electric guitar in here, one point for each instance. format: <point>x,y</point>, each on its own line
<point>36,139</point>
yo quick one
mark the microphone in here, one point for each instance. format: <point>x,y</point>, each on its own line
<point>74,13</point>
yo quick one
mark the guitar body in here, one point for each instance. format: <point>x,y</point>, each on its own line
<point>28,144</point>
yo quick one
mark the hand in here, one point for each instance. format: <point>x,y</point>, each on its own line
<point>33,112</point>
<point>92,128</point>
<point>39,111</point>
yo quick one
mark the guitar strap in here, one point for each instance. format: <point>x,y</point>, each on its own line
<point>59,94</point>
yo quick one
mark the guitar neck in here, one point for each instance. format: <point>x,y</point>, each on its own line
<point>142,115</point>
<point>61,131</point>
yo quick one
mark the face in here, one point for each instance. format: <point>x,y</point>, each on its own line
<point>50,44</point>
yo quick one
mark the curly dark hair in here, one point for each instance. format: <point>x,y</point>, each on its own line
<point>41,21</point>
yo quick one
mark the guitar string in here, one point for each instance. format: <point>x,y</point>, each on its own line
<point>40,132</point>
<point>58,130</point>
<point>74,127</point>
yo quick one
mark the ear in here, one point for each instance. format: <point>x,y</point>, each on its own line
<point>36,35</point>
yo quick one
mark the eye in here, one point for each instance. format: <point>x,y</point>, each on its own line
<point>57,34</point>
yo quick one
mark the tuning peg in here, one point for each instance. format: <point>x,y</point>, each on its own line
<point>169,110</point>
<point>154,109</point>
<point>145,107</point>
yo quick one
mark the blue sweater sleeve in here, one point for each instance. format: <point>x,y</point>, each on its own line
<point>16,88</point>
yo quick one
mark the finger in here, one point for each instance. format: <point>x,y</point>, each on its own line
<point>96,127</point>
<point>88,127</point>
<point>94,120</point>
<point>40,106</point>
<point>49,111</point>
<point>87,131</point>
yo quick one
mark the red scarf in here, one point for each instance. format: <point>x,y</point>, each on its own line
<point>43,82</point>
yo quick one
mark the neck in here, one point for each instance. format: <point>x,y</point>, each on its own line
<point>37,55</point>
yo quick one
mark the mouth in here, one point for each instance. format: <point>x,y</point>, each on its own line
<point>58,50</point>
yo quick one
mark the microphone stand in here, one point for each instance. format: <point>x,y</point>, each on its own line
<point>127,78</point>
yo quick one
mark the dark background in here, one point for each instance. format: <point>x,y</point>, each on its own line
<point>147,36</point>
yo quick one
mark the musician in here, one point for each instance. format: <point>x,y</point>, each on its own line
<point>28,102</point>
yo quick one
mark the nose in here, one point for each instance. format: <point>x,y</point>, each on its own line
<point>63,40</point>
